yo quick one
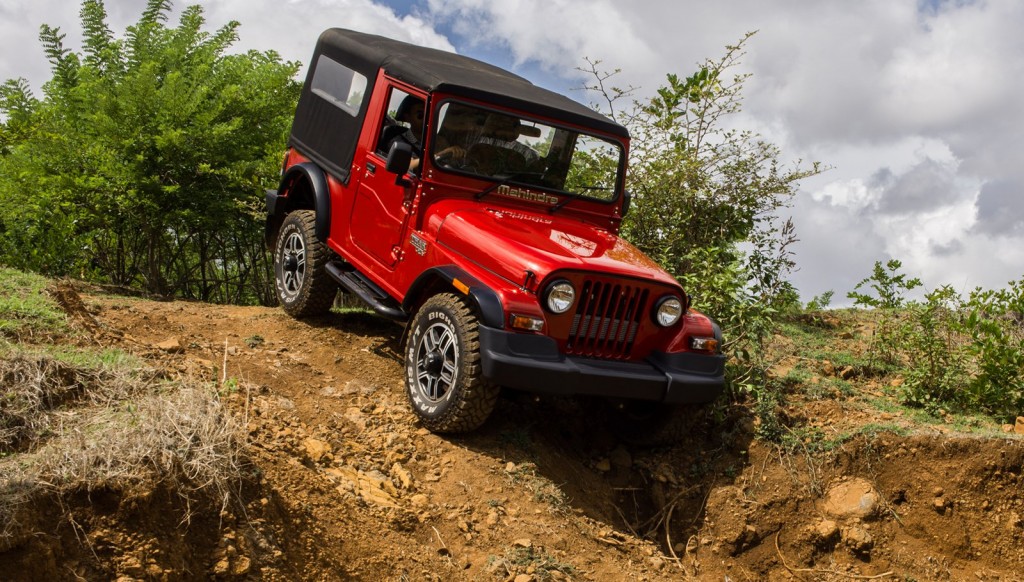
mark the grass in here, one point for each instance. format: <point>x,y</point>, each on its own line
<point>77,419</point>
<point>26,312</point>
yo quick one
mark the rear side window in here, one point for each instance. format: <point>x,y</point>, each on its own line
<point>339,85</point>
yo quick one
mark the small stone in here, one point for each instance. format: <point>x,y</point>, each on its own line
<point>316,449</point>
<point>524,578</point>
<point>403,477</point>
<point>938,491</point>
<point>604,465</point>
<point>522,543</point>
<point>858,539</point>
<point>655,562</point>
<point>492,518</point>
<point>826,530</point>
<point>1007,428</point>
<point>1019,427</point>
<point>940,504</point>
<point>171,345</point>
<point>241,566</point>
<point>827,368</point>
<point>419,500</point>
<point>620,457</point>
<point>222,567</point>
<point>510,467</point>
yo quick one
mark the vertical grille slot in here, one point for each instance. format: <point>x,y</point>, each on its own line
<point>606,320</point>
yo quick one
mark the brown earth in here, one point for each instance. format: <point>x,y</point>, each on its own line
<point>344,484</point>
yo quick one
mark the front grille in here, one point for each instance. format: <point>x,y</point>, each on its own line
<point>606,321</point>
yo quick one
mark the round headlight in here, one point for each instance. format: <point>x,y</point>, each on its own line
<point>668,312</point>
<point>560,296</point>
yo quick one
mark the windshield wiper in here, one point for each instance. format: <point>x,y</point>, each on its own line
<point>570,196</point>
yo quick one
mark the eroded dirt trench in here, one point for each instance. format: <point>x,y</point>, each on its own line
<point>346,485</point>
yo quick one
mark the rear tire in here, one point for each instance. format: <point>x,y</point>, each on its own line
<point>443,376</point>
<point>303,286</point>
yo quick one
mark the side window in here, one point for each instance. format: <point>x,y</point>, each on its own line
<point>403,121</point>
<point>339,85</point>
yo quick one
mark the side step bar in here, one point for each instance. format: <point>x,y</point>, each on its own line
<point>354,282</point>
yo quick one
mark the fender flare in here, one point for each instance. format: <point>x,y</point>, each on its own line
<point>321,195</point>
<point>492,314</point>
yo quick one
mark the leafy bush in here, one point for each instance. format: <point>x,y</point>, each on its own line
<point>144,163</point>
<point>956,354</point>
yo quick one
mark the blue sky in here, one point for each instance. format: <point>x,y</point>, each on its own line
<point>913,103</point>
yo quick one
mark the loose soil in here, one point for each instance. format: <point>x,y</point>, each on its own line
<point>345,485</point>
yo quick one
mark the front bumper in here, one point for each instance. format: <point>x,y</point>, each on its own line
<point>533,363</point>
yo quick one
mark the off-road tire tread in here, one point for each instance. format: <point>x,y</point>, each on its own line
<point>318,291</point>
<point>477,396</point>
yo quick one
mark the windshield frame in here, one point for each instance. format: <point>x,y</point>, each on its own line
<point>611,140</point>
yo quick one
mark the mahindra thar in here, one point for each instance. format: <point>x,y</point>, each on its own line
<point>483,212</point>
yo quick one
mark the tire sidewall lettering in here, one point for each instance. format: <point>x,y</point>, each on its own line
<point>421,324</point>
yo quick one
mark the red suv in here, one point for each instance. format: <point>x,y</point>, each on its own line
<point>483,211</point>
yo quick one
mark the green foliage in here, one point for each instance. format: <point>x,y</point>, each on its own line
<point>25,309</point>
<point>820,302</point>
<point>963,355</point>
<point>144,163</point>
<point>707,200</point>
<point>889,284</point>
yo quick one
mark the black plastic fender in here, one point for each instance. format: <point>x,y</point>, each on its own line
<point>492,314</point>
<point>321,196</point>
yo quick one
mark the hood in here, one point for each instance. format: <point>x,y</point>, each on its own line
<point>509,243</point>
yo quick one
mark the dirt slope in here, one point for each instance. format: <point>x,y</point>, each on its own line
<point>347,486</point>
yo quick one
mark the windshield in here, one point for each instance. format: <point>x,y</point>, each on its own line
<point>502,146</point>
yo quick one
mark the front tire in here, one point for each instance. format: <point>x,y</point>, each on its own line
<point>443,376</point>
<point>303,286</point>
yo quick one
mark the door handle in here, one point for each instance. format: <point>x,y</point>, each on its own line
<point>371,168</point>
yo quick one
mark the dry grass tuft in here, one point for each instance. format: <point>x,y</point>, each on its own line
<point>82,429</point>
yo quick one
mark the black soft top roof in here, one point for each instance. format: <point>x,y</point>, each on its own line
<point>436,70</point>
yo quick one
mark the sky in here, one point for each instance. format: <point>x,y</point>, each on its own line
<point>913,105</point>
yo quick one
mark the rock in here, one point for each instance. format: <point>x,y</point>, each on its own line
<point>522,543</point>
<point>1019,427</point>
<point>847,373</point>
<point>241,566</point>
<point>316,449</point>
<point>827,368</point>
<point>938,491</point>
<point>403,477</point>
<point>656,563</point>
<point>620,458</point>
<point>492,518</point>
<point>940,505</point>
<point>1007,428</point>
<point>524,578</point>
<point>852,498</point>
<point>604,465</point>
<point>419,501</point>
<point>826,531</point>
<point>858,539</point>
<point>171,346</point>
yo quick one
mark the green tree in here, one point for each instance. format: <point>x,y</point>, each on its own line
<point>708,198</point>
<point>144,162</point>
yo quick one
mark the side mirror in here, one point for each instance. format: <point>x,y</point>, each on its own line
<point>627,201</point>
<point>399,158</point>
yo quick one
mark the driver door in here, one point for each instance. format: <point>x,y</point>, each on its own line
<point>383,200</point>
